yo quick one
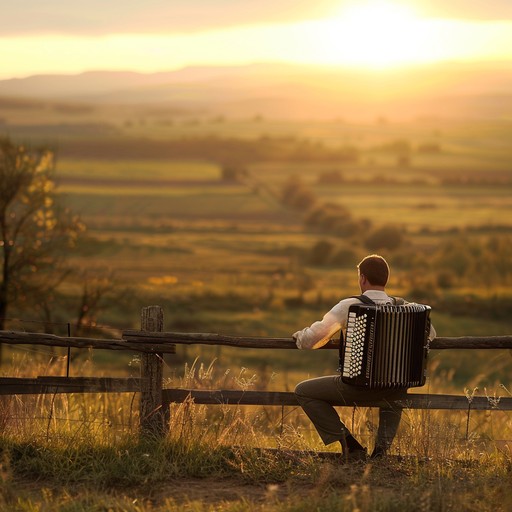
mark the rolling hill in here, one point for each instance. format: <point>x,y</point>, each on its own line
<point>288,91</point>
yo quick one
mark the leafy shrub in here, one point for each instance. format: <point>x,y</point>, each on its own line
<point>331,178</point>
<point>386,237</point>
<point>321,253</point>
<point>345,257</point>
<point>297,195</point>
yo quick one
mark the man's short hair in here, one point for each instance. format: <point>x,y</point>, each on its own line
<point>375,268</point>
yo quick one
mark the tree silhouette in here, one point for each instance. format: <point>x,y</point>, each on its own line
<point>296,195</point>
<point>36,232</point>
<point>385,237</point>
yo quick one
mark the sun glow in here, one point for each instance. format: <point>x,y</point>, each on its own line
<point>375,34</point>
<point>369,34</point>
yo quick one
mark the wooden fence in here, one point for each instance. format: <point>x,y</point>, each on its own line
<point>151,342</point>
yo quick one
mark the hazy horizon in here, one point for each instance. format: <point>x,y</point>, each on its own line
<point>66,38</point>
<point>473,64</point>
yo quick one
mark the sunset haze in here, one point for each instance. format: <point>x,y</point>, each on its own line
<point>72,37</point>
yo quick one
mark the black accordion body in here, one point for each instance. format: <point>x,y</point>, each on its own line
<point>386,346</point>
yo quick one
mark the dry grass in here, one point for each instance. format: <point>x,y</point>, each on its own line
<point>82,453</point>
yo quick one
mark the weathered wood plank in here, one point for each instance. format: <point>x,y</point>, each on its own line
<point>232,397</point>
<point>163,342</point>
<point>465,342</point>
<point>50,385</point>
<point>413,401</point>
<point>209,339</point>
<point>472,342</point>
<point>51,340</point>
<point>153,418</point>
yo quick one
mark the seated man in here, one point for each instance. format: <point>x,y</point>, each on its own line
<point>316,396</point>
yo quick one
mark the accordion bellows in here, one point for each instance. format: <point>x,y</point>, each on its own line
<point>386,346</point>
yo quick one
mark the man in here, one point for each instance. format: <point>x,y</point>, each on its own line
<point>316,395</point>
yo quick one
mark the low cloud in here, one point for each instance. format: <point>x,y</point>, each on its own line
<point>100,17</point>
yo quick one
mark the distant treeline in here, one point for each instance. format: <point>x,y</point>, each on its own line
<point>221,150</point>
<point>330,178</point>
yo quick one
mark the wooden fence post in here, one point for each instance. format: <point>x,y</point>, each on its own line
<point>152,417</point>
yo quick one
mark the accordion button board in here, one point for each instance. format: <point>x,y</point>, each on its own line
<point>355,345</point>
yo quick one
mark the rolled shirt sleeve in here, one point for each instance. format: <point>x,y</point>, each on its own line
<point>320,332</point>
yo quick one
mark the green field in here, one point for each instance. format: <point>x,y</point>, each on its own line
<point>223,255</point>
<point>229,256</point>
<point>167,225</point>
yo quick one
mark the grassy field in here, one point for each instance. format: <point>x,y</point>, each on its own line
<point>229,256</point>
<point>82,453</point>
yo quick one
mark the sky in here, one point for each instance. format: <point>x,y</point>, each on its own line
<point>69,36</point>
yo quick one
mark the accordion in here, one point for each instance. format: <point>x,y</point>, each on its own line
<point>385,346</point>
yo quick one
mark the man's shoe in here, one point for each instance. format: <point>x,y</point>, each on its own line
<point>355,455</point>
<point>378,453</point>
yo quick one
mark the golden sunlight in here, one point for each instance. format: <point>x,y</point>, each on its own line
<point>375,34</point>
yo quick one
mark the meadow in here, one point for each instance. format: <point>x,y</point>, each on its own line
<point>228,252</point>
<point>82,453</point>
<point>229,256</point>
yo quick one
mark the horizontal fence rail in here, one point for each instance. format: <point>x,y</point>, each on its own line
<point>56,385</point>
<point>51,340</point>
<point>283,398</point>
<point>163,342</point>
<point>164,338</point>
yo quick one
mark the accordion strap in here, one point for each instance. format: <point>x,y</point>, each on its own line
<point>363,298</point>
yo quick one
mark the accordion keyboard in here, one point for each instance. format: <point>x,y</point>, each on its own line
<point>355,345</point>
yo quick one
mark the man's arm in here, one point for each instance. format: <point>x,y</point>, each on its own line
<point>320,332</point>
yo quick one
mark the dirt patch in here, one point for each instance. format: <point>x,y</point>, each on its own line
<point>179,491</point>
<point>214,491</point>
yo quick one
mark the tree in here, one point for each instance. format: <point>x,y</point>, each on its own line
<point>36,232</point>
<point>384,237</point>
<point>296,195</point>
<point>95,290</point>
<point>233,173</point>
<point>320,253</point>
